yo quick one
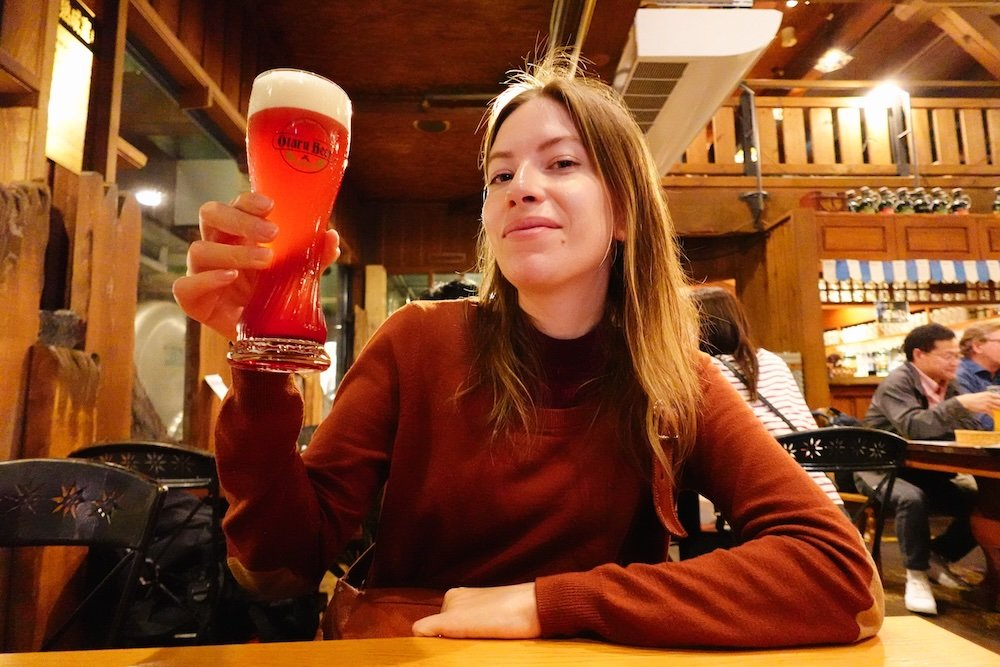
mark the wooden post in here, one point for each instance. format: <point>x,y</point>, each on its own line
<point>100,152</point>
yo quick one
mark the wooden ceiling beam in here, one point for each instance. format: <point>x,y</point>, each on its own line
<point>975,32</point>
<point>971,28</point>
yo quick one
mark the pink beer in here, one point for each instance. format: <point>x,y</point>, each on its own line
<point>297,142</point>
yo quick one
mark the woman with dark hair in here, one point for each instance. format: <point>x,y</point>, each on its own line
<point>530,442</point>
<point>761,377</point>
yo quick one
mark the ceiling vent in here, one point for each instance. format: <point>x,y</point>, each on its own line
<point>680,64</point>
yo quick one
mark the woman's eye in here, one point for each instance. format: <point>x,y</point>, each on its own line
<point>501,177</point>
<point>564,163</point>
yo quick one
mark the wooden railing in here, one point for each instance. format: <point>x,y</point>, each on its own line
<point>841,136</point>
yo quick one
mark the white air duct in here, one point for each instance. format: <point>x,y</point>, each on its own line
<point>680,64</point>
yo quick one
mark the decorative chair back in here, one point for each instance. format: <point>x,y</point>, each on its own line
<point>850,449</point>
<point>176,467</point>
<point>63,502</point>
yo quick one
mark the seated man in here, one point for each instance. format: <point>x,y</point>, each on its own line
<point>980,366</point>
<point>920,401</point>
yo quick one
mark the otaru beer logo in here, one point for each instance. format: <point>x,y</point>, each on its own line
<point>304,145</point>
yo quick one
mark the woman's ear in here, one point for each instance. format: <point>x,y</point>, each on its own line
<point>619,231</point>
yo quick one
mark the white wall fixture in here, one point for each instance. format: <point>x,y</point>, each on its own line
<point>679,65</point>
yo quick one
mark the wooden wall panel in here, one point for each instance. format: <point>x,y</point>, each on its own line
<point>821,132</point>
<point>191,29</point>
<point>724,135</point>
<point>111,317</point>
<point>767,128</point>
<point>787,283</point>
<point>877,137</point>
<point>993,130</point>
<point>169,11</point>
<point>233,25</point>
<point>945,132</point>
<point>973,136</point>
<point>922,146</point>
<point>214,41</point>
<point>27,34</point>
<point>22,255</point>
<point>988,231</point>
<point>843,236</point>
<point>940,238</point>
<point>426,236</point>
<point>849,129</point>
<point>697,150</point>
<point>793,129</point>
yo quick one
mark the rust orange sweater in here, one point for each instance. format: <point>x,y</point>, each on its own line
<point>561,509</point>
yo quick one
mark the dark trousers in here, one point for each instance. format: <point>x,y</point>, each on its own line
<point>917,493</point>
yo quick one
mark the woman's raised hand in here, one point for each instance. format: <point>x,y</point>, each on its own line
<point>222,266</point>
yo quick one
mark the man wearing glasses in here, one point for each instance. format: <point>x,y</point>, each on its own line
<point>980,366</point>
<point>920,400</point>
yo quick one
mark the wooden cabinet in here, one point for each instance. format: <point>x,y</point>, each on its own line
<point>782,292</point>
<point>852,396</point>
<point>915,236</point>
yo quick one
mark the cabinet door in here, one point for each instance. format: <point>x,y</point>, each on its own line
<point>854,236</point>
<point>938,237</point>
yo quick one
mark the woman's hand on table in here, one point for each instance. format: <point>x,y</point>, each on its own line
<point>222,266</point>
<point>500,612</point>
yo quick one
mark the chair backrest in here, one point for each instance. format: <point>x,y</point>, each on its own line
<point>845,449</point>
<point>174,466</point>
<point>65,502</point>
<point>176,555</point>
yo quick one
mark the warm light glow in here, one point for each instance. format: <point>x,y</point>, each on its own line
<point>738,157</point>
<point>778,113</point>
<point>885,95</point>
<point>149,197</point>
<point>791,3</point>
<point>832,60</point>
<point>788,38</point>
<point>68,101</point>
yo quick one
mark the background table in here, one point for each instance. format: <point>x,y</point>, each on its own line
<point>984,464</point>
<point>904,640</point>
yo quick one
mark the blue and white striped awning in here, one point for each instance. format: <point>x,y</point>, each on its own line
<point>913,270</point>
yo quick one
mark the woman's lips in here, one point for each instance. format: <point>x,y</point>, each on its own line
<point>529,224</point>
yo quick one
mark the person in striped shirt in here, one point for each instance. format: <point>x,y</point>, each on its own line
<point>758,375</point>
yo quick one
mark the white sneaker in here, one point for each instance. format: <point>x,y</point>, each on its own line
<point>940,574</point>
<point>918,597</point>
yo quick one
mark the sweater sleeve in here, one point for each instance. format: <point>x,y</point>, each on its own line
<point>290,515</point>
<point>800,575</point>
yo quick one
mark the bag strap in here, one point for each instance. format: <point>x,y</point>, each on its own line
<point>770,406</point>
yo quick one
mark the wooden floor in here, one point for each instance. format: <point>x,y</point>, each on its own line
<point>957,610</point>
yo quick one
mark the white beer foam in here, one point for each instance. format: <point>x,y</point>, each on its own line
<point>302,90</point>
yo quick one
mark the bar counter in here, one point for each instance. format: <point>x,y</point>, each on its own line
<point>904,640</point>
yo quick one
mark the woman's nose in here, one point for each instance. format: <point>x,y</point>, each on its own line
<point>525,186</point>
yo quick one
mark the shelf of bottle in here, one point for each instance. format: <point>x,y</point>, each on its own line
<point>891,341</point>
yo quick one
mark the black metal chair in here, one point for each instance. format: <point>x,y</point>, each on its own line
<point>848,449</point>
<point>61,502</point>
<point>187,469</point>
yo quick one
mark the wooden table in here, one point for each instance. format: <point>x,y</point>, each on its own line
<point>904,640</point>
<point>984,464</point>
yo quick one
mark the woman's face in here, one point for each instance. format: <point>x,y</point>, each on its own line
<point>547,214</point>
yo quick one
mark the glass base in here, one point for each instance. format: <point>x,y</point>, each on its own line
<point>279,355</point>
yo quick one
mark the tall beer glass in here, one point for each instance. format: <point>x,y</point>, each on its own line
<point>298,134</point>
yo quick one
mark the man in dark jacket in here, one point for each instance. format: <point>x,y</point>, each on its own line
<point>920,401</point>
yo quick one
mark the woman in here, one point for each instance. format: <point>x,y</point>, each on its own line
<point>760,377</point>
<point>530,442</point>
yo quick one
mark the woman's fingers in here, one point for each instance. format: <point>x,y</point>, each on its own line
<point>210,256</point>
<point>331,248</point>
<point>242,221</point>
<point>206,298</point>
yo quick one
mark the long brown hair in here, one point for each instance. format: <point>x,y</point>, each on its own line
<point>725,330</point>
<point>650,325</point>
